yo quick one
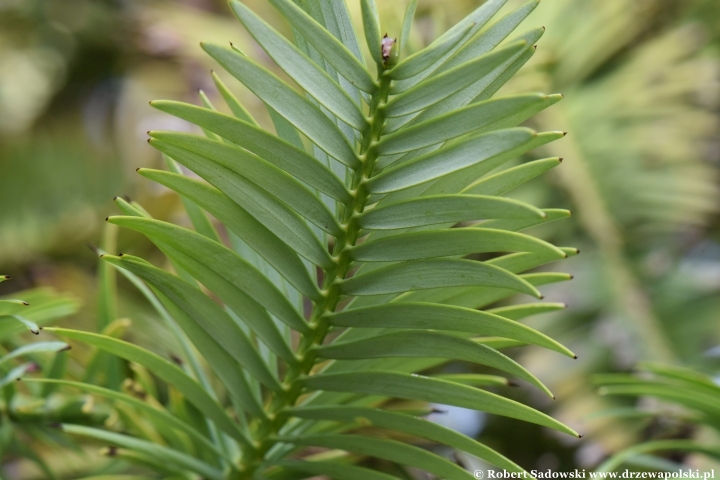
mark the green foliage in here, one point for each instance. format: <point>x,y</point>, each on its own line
<point>347,272</point>
<point>696,396</point>
<point>26,411</point>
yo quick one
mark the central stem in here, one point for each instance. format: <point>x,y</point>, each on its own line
<point>330,286</point>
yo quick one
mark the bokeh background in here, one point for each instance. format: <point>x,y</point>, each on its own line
<point>641,80</point>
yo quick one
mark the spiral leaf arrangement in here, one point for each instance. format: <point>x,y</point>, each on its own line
<point>342,270</point>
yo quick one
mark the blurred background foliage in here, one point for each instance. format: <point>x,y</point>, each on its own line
<point>641,173</point>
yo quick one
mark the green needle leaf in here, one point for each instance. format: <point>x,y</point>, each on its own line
<point>29,324</point>
<point>423,59</point>
<point>165,370</point>
<point>263,174</point>
<point>499,112</point>
<point>160,416</point>
<point>299,111</point>
<point>333,470</point>
<point>453,158</point>
<point>430,316</point>
<point>270,148</point>
<point>518,312</point>
<point>512,177</point>
<point>426,344</point>
<point>371,24</point>
<point>301,69</point>
<point>449,242</point>
<point>388,449</point>
<point>442,86</point>
<point>258,202</point>
<point>244,225</point>
<point>446,208</point>
<point>474,22</point>
<point>36,347</point>
<point>407,24</point>
<point>334,52</point>
<point>400,422</point>
<point>204,312</point>
<point>434,273</point>
<point>417,387</point>
<point>221,260</point>
<point>233,103</point>
<point>165,454</point>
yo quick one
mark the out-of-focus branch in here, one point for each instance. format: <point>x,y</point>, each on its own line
<point>631,300</point>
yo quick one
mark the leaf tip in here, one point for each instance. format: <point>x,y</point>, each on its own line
<point>177,360</point>
<point>7,277</point>
<point>110,451</point>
